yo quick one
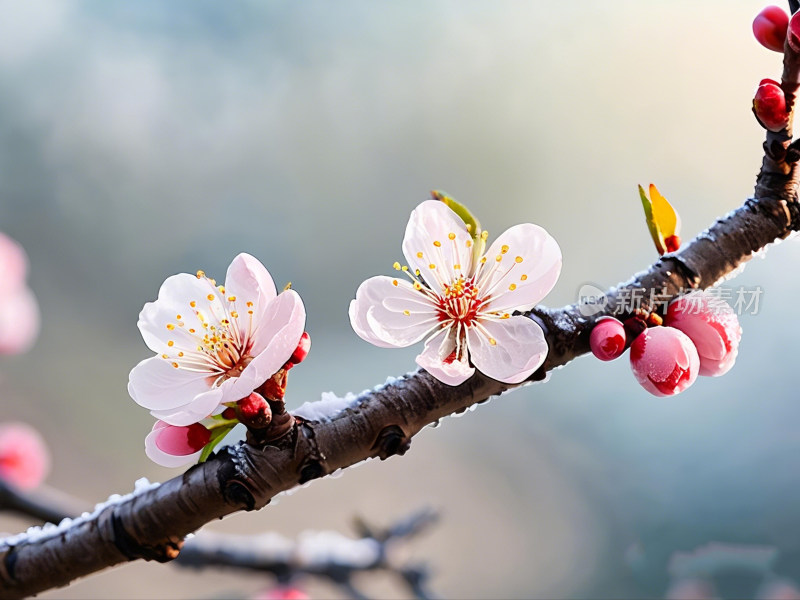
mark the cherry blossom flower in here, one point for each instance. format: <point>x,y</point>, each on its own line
<point>24,458</point>
<point>19,311</point>
<point>214,344</point>
<point>713,327</point>
<point>459,302</point>
<point>171,446</point>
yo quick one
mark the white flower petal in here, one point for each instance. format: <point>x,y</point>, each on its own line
<point>516,284</point>
<point>367,296</point>
<point>200,407</point>
<point>378,313</point>
<point>519,348</point>
<point>160,457</point>
<point>156,385</point>
<point>174,299</point>
<point>248,280</point>
<point>432,359</point>
<point>276,339</point>
<point>428,234</point>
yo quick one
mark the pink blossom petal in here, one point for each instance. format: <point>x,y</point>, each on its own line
<point>156,385</point>
<point>379,314</point>
<point>434,359</point>
<point>519,348</point>
<point>19,320</point>
<point>24,458</point>
<point>160,457</point>
<point>174,299</point>
<point>200,407</point>
<point>430,223</point>
<point>278,335</point>
<point>525,273</point>
<point>13,264</point>
<point>248,280</point>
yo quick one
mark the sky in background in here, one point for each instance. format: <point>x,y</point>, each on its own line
<point>141,139</point>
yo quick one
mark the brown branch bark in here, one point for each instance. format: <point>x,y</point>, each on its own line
<point>381,423</point>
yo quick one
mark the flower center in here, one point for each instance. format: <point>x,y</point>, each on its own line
<point>460,302</point>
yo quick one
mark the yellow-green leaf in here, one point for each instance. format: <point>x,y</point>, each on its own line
<point>662,220</point>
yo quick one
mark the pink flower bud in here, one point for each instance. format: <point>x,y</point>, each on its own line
<point>713,327</point>
<point>300,353</point>
<point>770,27</point>
<point>769,105</point>
<point>607,339</point>
<point>24,458</point>
<point>175,446</point>
<point>664,360</point>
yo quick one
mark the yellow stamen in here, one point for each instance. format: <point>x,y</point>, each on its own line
<point>518,259</point>
<point>504,249</point>
<point>452,236</point>
<point>437,244</point>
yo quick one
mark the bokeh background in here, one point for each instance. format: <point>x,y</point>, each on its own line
<point>141,139</point>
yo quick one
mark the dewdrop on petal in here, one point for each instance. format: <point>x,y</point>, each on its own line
<point>664,360</point>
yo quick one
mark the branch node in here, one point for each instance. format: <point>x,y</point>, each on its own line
<point>311,470</point>
<point>391,440</point>
<point>133,549</point>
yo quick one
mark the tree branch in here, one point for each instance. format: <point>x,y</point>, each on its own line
<point>379,423</point>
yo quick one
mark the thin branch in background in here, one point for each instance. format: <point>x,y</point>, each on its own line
<point>327,554</point>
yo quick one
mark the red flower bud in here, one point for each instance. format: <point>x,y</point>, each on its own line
<point>300,353</point>
<point>769,105</point>
<point>254,411</point>
<point>770,27</point>
<point>793,35</point>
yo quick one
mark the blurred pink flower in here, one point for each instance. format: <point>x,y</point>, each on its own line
<point>171,446</point>
<point>24,458</point>
<point>19,312</point>
<point>713,327</point>
<point>13,264</point>
<point>282,593</point>
<point>214,344</point>
<point>460,303</point>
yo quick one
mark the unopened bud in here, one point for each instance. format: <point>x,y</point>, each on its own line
<point>769,106</point>
<point>793,34</point>
<point>770,27</point>
<point>254,411</point>
<point>303,347</point>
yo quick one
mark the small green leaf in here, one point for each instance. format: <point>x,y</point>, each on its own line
<point>216,437</point>
<point>655,233</point>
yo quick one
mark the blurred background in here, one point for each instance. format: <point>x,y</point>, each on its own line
<point>138,140</point>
